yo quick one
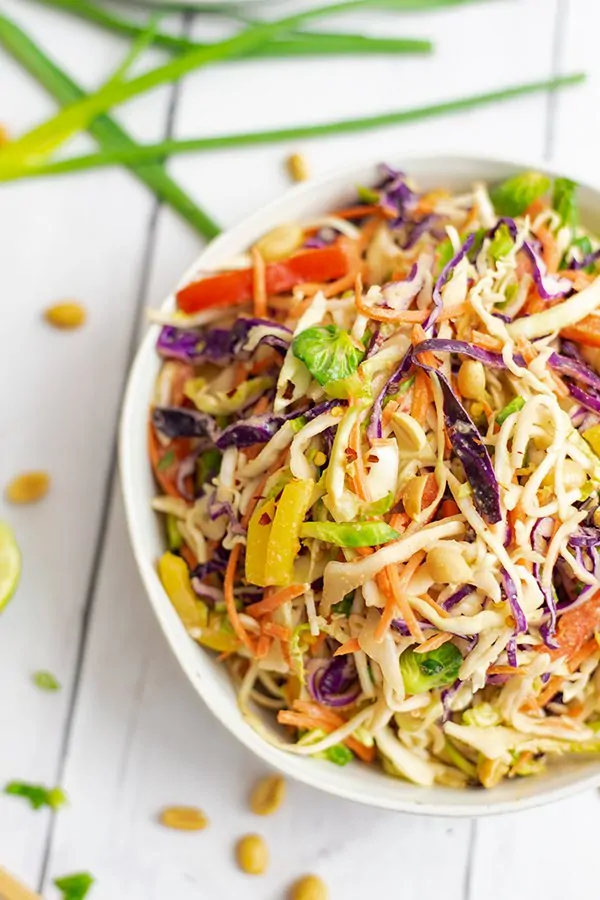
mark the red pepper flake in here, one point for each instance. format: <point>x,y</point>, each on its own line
<point>351,454</point>
<point>265,519</point>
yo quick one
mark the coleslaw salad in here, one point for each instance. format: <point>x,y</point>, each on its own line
<point>365,463</point>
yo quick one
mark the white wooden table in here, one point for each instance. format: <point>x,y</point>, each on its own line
<point>127,735</point>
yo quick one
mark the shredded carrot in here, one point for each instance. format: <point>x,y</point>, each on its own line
<point>348,647</point>
<point>435,641</point>
<point>399,521</point>
<point>299,720</point>
<point>263,645</point>
<point>367,231</point>
<point>381,314</point>
<point>575,710</point>
<point>436,606</point>
<point>454,311</point>
<point>422,397</point>
<point>506,670</point>
<point>277,599</point>
<point>389,411</point>
<point>361,212</point>
<point>259,284</point>
<point>273,629</point>
<point>317,643</point>
<point>552,688</point>
<point>584,653</point>
<point>312,708</point>
<point>526,349</point>
<point>535,208</point>
<point>240,373</point>
<point>189,556</point>
<point>427,202</point>
<point>167,484</point>
<point>448,508</point>
<point>550,251</point>
<point>261,406</point>
<point>394,587</point>
<point>486,341</point>
<point>232,612</point>
<point>418,335</point>
<point>262,365</point>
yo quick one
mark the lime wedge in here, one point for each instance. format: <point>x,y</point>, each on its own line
<point>10,564</point>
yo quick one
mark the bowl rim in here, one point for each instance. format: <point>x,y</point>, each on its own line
<point>279,759</point>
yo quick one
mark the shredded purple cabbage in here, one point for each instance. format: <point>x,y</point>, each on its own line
<point>395,194</point>
<point>511,595</point>
<point>374,428</point>
<point>175,422</point>
<point>220,345</point>
<point>589,260</point>
<point>587,399</point>
<point>443,278</point>
<point>469,447</point>
<point>402,628</point>
<point>550,287</point>
<point>458,595</point>
<point>333,682</point>
<point>218,508</point>
<point>446,696</point>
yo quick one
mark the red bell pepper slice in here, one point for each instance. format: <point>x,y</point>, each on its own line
<point>233,288</point>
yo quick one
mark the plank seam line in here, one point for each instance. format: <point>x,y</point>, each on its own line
<point>553,99</point>
<point>107,496</point>
<point>471,853</point>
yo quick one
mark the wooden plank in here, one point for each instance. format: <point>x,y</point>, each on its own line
<point>516,855</point>
<point>83,238</point>
<point>141,738</point>
<point>477,48</point>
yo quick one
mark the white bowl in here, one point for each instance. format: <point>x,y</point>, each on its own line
<point>355,781</point>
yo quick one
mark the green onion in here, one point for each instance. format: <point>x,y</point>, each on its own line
<point>396,5</point>
<point>515,405</point>
<point>45,681</point>
<point>37,795</point>
<point>140,154</point>
<point>109,135</point>
<point>298,44</point>
<point>51,134</point>
<point>74,887</point>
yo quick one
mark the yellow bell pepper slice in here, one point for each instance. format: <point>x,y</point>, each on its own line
<point>175,577</point>
<point>284,541</point>
<point>217,636</point>
<point>259,531</point>
<point>592,436</point>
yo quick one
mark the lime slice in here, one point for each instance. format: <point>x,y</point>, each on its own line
<point>10,564</point>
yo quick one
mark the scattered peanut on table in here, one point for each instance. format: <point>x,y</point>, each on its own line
<point>252,854</point>
<point>183,818</point>
<point>309,887</point>
<point>68,315</point>
<point>267,795</point>
<point>298,167</point>
<point>29,487</point>
<point>280,242</point>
